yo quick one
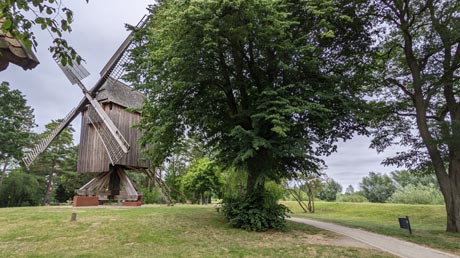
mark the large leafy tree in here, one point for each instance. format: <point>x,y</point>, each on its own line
<point>67,179</point>
<point>16,122</point>
<point>201,180</point>
<point>404,178</point>
<point>377,187</point>
<point>419,83</point>
<point>265,84</point>
<point>330,190</point>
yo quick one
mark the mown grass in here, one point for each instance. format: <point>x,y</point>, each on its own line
<point>154,231</point>
<point>428,221</point>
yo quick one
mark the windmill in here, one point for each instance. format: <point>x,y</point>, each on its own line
<point>108,143</point>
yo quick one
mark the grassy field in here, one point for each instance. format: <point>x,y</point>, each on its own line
<point>154,231</point>
<point>428,221</point>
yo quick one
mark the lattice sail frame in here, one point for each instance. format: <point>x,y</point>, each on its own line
<point>113,148</point>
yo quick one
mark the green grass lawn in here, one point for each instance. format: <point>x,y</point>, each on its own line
<point>428,221</point>
<point>154,231</point>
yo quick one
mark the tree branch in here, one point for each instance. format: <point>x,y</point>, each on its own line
<point>228,89</point>
<point>402,87</point>
<point>415,115</point>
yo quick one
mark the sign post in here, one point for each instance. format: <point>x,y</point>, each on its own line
<point>405,223</point>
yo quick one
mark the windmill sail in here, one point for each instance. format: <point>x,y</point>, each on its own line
<point>74,72</point>
<point>115,67</point>
<point>30,156</point>
<point>114,142</point>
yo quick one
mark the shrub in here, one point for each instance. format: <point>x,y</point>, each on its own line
<point>352,198</point>
<point>61,194</point>
<point>258,212</point>
<point>151,197</point>
<point>20,189</point>
<point>277,191</point>
<point>419,194</point>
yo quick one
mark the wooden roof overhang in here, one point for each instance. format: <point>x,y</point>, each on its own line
<point>13,51</point>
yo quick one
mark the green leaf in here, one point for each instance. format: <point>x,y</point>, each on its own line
<point>7,24</point>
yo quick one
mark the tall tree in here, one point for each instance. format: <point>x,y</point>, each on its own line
<point>420,70</point>
<point>350,190</point>
<point>377,187</point>
<point>16,122</point>
<point>259,82</point>
<point>58,158</point>
<point>404,178</point>
<point>68,179</point>
<point>330,190</point>
<point>178,162</point>
<point>201,180</point>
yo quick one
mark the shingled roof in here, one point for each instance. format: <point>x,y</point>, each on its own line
<point>121,94</point>
<point>13,51</point>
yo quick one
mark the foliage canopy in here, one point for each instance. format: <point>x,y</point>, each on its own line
<point>16,122</point>
<point>258,82</point>
<point>330,190</point>
<point>377,187</point>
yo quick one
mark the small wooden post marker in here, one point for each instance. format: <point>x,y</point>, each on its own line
<point>73,217</point>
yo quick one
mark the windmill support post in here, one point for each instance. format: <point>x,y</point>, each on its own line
<point>113,185</point>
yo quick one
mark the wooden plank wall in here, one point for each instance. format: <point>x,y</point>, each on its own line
<point>92,156</point>
<point>124,121</point>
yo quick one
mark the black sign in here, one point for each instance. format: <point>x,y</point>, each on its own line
<point>405,223</point>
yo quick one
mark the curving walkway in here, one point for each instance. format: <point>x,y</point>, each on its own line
<point>388,244</point>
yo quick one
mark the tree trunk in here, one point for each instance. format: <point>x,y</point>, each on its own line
<point>450,189</point>
<point>257,167</point>
<point>311,201</point>
<point>297,196</point>
<point>46,200</point>
<point>452,197</point>
<point>255,182</point>
<point>3,172</point>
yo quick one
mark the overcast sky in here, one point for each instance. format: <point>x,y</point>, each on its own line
<point>98,30</point>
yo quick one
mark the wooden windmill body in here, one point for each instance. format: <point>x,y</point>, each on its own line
<point>108,142</point>
<point>115,98</point>
<point>119,102</point>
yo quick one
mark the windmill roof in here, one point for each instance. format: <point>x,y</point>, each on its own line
<point>121,94</point>
<point>12,50</point>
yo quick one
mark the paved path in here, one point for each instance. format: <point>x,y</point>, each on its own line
<point>388,244</point>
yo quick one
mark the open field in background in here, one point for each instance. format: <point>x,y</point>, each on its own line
<point>154,231</point>
<point>428,221</point>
